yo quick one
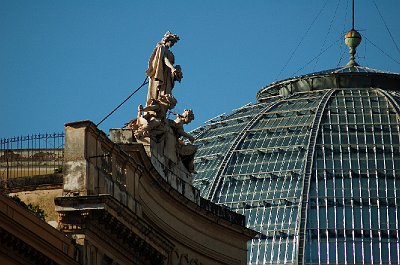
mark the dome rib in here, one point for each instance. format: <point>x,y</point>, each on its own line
<point>308,173</point>
<point>391,99</point>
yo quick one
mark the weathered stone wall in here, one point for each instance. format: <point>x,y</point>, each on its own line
<point>95,165</point>
<point>50,181</point>
<point>43,198</point>
<point>37,190</point>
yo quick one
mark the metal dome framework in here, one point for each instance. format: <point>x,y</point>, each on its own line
<point>314,167</point>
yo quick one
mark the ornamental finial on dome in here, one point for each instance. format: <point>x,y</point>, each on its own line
<point>352,39</point>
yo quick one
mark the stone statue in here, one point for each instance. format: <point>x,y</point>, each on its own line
<point>161,136</point>
<point>161,71</point>
<point>186,151</point>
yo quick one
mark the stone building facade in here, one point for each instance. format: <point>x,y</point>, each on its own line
<point>120,204</point>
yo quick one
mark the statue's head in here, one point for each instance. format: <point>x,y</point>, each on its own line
<point>187,116</point>
<point>168,36</point>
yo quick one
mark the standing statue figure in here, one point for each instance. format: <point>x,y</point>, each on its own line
<point>161,72</point>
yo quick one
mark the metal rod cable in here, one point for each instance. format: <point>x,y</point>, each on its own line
<point>327,33</point>
<point>387,28</point>
<point>317,56</point>
<point>344,30</point>
<point>302,39</point>
<point>385,53</point>
<point>352,18</point>
<point>133,93</point>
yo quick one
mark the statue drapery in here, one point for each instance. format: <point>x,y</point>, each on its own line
<point>161,77</point>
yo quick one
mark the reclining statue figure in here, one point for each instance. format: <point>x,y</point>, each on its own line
<point>151,120</point>
<point>186,151</point>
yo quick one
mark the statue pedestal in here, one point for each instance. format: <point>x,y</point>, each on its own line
<point>162,153</point>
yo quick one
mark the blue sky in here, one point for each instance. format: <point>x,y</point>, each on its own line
<point>64,61</point>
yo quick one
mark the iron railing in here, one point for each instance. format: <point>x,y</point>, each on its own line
<point>33,155</point>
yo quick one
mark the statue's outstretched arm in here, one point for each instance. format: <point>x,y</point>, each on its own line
<point>169,64</point>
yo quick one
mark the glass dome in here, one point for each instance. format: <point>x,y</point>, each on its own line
<point>313,165</point>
